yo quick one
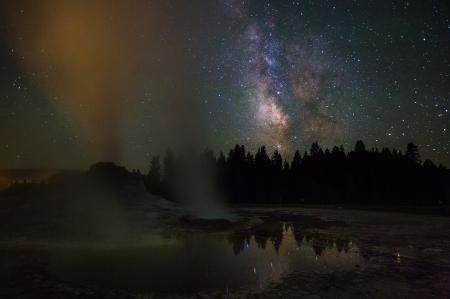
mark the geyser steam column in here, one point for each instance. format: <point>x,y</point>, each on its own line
<point>82,54</point>
<point>195,188</point>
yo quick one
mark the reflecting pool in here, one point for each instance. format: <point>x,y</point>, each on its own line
<point>200,261</point>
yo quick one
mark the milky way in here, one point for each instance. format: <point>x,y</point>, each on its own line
<point>286,84</point>
<point>262,86</point>
<point>291,88</point>
<point>115,80</point>
<point>334,73</point>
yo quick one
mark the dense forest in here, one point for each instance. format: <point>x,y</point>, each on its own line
<point>321,176</point>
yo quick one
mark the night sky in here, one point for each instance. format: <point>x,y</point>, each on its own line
<point>82,81</point>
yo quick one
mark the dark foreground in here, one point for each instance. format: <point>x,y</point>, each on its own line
<point>262,253</point>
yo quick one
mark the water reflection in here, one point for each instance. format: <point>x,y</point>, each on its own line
<point>208,262</point>
<point>274,232</point>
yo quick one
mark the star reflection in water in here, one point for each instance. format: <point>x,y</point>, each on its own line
<point>207,261</point>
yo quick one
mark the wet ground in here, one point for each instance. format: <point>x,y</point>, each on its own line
<point>263,253</point>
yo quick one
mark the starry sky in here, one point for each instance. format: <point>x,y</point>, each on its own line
<point>82,81</point>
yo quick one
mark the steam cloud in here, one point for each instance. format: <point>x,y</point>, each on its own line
<point>85,57</point>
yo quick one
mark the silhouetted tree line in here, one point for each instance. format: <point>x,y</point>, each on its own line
<point>321,176</point>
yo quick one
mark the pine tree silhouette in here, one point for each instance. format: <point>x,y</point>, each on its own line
<point>321,176</point>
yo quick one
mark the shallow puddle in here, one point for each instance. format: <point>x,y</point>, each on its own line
<point>204,262</point>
